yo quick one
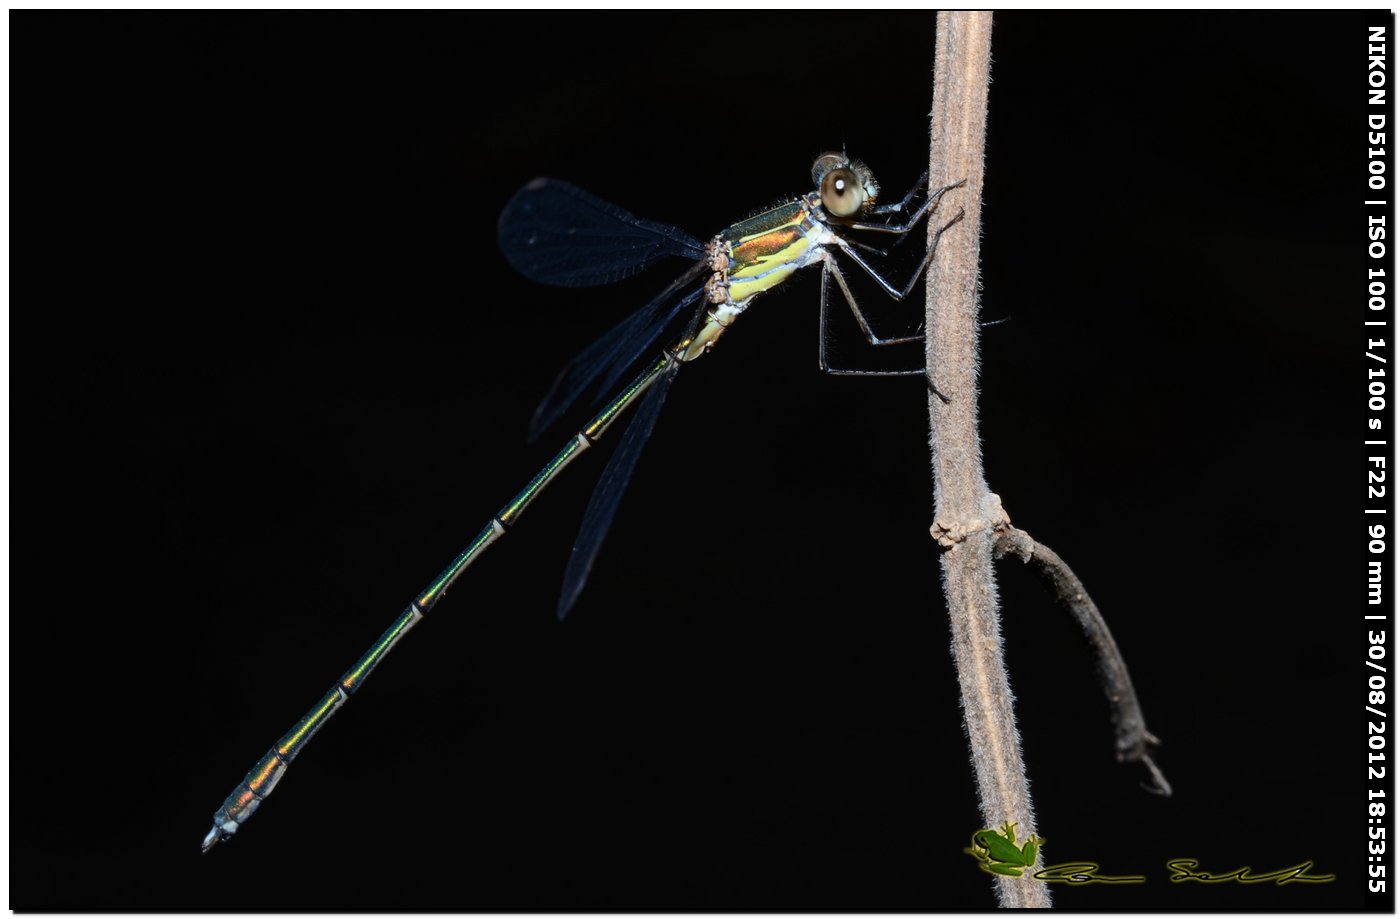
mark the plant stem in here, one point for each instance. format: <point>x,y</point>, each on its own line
<point>1133,740</point>
<point>965,510</point>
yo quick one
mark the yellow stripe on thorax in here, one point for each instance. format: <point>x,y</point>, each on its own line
<point>766,250</point>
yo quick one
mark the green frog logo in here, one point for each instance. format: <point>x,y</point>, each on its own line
<point>999,854</point>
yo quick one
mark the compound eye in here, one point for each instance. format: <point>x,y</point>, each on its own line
<point>825,163</point>
<point>842,193</point>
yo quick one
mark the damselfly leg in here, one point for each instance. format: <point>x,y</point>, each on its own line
<point>830,269</point>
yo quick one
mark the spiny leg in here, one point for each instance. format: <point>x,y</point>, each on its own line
<point>873,250</point>
<point>870,335</point>
<point>909,224</point>
<point>829,268</point>
<point>885,284</point>
<point>920,183</point>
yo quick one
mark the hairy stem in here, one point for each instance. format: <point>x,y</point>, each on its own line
<point>965,510</point>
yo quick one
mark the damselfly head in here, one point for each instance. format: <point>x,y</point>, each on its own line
<point>848,188</point>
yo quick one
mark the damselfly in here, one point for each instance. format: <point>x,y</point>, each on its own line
<point>556,233</point>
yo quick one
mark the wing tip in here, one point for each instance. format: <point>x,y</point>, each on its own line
<point>567,598</point>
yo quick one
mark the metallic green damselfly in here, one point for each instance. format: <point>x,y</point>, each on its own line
<point>556,233</point>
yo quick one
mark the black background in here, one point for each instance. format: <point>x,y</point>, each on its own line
<point>272,373</point>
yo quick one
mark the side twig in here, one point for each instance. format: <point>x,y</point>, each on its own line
<point>965,510</point>
<point>1133,739</point>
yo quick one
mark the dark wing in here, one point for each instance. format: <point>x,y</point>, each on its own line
<point>602,507</point>
<point>557,233</point>
<point>599,366</point>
